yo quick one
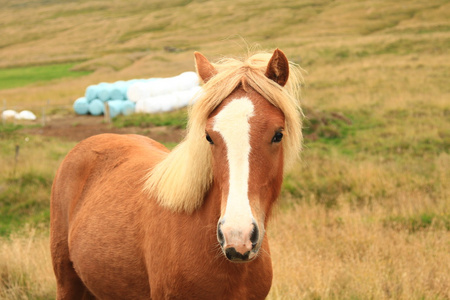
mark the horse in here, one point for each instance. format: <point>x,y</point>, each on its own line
<point>132,220</point>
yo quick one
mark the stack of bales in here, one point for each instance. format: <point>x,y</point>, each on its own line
<point>23,115</point>
<point>140,95</point>
<point>164,94</point>
<point>115,94</point>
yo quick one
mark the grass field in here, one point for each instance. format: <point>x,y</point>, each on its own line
<point>365,214</point>
<point>22,76</point>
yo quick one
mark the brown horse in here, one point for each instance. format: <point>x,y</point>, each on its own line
<point>132,220</point>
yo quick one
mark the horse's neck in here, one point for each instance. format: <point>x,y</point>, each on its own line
<point>209,212</point>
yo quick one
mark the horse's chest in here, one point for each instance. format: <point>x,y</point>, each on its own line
<point>200,288</point>
<point>211,280</point>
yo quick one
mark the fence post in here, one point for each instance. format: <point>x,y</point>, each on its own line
<point>43,116</point>
<point>16,159</point>
<point>107,113</point>
<point>44,108</point>
<point>3,110</point>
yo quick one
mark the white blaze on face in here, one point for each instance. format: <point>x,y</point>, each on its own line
<point>232,122</point>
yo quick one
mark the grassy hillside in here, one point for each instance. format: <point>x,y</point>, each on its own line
<point>364,215</point>
<point>123,40</point>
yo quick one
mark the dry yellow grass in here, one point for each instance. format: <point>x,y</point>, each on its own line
<point>317,254</point>
<point>25,267</point>
<point>349,254</point>
<point>373,242</point>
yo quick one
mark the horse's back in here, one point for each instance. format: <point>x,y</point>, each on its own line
<point>98,156</point>
<point>95,211</point>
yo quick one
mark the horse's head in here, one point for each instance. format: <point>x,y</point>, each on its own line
<point>246,132</point>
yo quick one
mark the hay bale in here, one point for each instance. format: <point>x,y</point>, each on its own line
<point>187,97</point>
<point>161,103</point>
<point>161,87</point>
<point>104,91</point>
<point>96,107</point>
<point>154,87</point>
<point>116,93</point>
<point>118,90</point>
<point>91,92</point>
<point>128,107</point>
<point>26,115</point>
<point>9,114</point>
<point>115,107</point>
<point>187,81</point>
<point>81,106</point>
<point>136,91</point>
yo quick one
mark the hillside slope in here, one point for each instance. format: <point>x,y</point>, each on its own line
<point>123,40</point>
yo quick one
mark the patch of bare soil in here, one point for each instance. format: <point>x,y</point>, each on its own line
<point>77,128</point>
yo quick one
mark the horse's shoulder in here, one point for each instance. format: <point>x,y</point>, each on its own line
<point>107,149</point>
<point>119,141</point>
<point>120,145</point>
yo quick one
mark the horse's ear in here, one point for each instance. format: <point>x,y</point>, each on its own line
<point>204,68</point>
<point>278,68</point>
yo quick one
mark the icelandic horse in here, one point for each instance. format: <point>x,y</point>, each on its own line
<point>132,220</point>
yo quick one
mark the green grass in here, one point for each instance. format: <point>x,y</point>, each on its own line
<point>24,198</point>
<point>418,222</point>
<point>17,77</point>
<point>28,167</point>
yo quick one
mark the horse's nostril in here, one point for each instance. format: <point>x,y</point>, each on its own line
<point>254,238</point>
<point>233,255</point>
<point>220,236</point>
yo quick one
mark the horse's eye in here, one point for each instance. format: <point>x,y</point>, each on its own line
<point>209,139</point>
<point>277,137</point>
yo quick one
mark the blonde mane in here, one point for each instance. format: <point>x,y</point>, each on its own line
<point>180,181</point>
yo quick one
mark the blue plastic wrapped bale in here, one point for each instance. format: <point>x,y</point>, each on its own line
<point>128,107</point>
<point>96,107</point>
<point>115,107</point>
<point>91,92</point>
<point>81,106</point>
<point>104,91</point>
<point>124,89</point>
<point>116,93</point>
<point>122,86</point>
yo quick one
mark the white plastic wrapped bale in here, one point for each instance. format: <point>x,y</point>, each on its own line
<point>81,106</point>
<point>188,97</point>
<point>161,87</point>
<point>137,90</point>
<point>168,102</point>
<point>96,107</point>
<point>186,81</point>
<point>9,114</point>
<point>134,91</point>
<point>26,115</point>
<point>162,103</point>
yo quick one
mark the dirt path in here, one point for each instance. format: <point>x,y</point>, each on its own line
<point>77,128</point>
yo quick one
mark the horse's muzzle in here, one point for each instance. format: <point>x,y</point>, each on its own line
<point>238,245</point>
